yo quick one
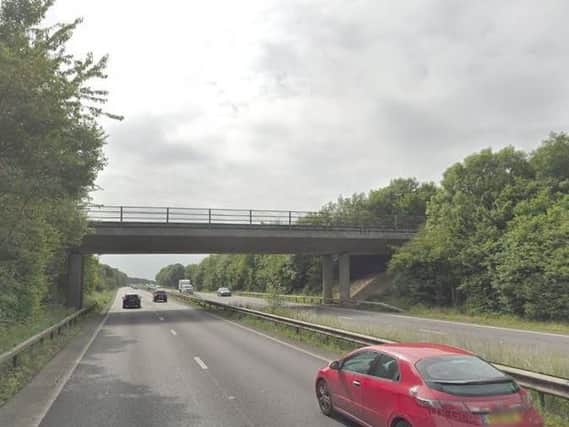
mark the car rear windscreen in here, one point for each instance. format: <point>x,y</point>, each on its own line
<point>465,376</point>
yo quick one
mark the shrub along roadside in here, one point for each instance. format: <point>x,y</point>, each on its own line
<point>14,333</point>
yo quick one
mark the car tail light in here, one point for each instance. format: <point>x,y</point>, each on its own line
<point>451,409</point>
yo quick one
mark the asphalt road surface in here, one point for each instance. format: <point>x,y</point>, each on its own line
<point>174,365</point>
<point>426,329</point>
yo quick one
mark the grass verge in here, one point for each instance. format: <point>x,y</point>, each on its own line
<point>31,361</point>
<point>555,411</point>
<point>499,320</point>
<point>101,299</point>
<point>523,357</point>
<point>12,334</point>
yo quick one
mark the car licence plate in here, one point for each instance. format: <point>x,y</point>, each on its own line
<point>504,418</point>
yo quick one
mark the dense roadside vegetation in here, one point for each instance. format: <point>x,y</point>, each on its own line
<point>496,237</point>
<point>495,241</point>
<point>101,284</point>
<point>50,154</point>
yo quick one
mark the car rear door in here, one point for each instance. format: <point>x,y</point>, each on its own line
<point>379,390</point>
<point>347,389</point>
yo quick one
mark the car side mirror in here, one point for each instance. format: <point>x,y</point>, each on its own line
<point>334,365</point>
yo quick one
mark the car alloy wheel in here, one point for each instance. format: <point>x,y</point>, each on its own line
<point>324,398</point>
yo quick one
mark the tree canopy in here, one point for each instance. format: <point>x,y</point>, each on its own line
<point>496,235</point>
<point>168,276</point>
<point>50,152</point>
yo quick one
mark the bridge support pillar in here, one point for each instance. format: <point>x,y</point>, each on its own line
<point>327,278</point>
<point>344,277</point>
<point>74,285</point>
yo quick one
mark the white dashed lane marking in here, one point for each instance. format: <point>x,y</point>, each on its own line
<point>173,332</point>
<point>200,363</point>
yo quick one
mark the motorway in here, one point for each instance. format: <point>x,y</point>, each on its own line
<point>426,329</point>
<point>175,365</point>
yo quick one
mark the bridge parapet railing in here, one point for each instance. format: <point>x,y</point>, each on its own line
<point>258,217</point>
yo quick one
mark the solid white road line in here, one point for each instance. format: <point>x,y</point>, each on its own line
<point>431,331</point>
<point>59,388</point>
<point>200,363</point>
<point>173,332</point>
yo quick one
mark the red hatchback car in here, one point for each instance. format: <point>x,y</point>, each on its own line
<point>422,385</point>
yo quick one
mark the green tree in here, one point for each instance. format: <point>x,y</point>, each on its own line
<point>551,161</point>
<point>169,276</point>
<point>50,152</point>
<point>100,277</point>
<point>495,238</point>
<point>533,271</point>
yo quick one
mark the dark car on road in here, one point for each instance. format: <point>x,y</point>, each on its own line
<point>131,301</point>
<point>160,296</point>
<point>422,385</point>
<point>224,292</point>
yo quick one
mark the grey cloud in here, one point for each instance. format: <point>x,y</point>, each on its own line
<point>349,95</point>
<point>145,139</point>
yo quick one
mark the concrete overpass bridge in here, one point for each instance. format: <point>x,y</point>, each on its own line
<point>165,230</point>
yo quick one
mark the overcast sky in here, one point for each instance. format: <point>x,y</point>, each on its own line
<point>287,104</point>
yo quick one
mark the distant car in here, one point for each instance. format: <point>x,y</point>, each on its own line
<point>422,385</point>
<point>160,296</point>
<point>131,301</point>
<point>224,292</point>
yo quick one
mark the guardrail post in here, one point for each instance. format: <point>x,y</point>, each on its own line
<point>15,361</point>
<point>289,218</point>
<point>209,216</point>
<point>541,398</point>
<point>250,217</point>
<point>121,213</point>
<point>396,222</point>
<point>167,215</point>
